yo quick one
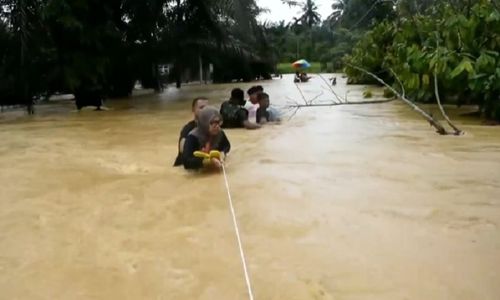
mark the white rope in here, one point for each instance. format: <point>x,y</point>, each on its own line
<point>243,261</point>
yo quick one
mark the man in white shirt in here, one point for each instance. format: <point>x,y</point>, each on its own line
<point>252,105</point>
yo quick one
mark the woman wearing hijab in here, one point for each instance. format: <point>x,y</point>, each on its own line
<point>206,145</point>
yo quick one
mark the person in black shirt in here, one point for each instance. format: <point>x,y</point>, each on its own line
<point>198,104</point>
<point>233,113</point>
<point>207,138</point>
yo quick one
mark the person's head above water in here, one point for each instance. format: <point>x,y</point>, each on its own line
<point>197,105</point>
<point>209,121</point>
<point>253,92</point>
<point>255,89</point>
<point>238,96</point>
<point>263,100</point>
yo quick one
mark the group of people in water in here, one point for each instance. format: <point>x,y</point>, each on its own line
<point>202,142</point>
<point>301,77</point>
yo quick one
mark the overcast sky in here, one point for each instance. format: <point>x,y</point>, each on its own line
<point>280,11</point>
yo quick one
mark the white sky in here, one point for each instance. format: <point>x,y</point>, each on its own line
<point>280,11</point>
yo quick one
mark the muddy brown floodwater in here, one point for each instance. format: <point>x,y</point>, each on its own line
<point>348,202</point>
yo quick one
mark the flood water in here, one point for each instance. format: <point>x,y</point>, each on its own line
<point>345,202</point>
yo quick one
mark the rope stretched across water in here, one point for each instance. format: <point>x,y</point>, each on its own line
<point>242,254</point>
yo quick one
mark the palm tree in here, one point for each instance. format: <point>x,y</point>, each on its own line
<point>224,32</point>
<point>310,15</point>
<point>339,6</point>
<point>290,2</point>
<point>308,19</point>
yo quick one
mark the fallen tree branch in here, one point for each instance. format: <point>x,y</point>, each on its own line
<point>295,106</point>
<point>331,90</point>
<point>337,104</point>
<point>439,128</point>
<point>294,113</point>
<point>301,94</point>
<point>438,100</point>
<point>400,83</point>
<point>311,101</point>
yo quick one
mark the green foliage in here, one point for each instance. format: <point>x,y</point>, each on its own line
<point>368,94</point>
<point>370,52</point>
<point>388,93</point>
<point>23,55</point>
<point>82,46</point>
<point>458,45</point>
<point>360,14</point>
<point>328,47</point>
<point>310,15</point>
<point>331,40</point>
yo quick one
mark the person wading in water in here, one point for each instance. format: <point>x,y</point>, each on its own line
<point>207,145</point>
<point>198,104</point>
<point>233,113</point>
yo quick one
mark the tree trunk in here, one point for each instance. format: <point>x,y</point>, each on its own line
<point>25,94</point>
<point>178,80</point>
<point>177,66</point>
<point>200,61</point>
<point>438,100</point>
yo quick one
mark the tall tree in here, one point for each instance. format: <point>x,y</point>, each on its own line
<point>338,8</point>
<point>82,46</point>
<point>362,14</point>
<point>22,73</point>
<point>309,18</point>
<point>310,15</point>
<point>86,40</point>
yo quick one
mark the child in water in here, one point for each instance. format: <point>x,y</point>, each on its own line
<point>207,144</point>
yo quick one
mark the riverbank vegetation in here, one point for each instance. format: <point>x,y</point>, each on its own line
<point>452,46</point>
<point>423,49</point>
<point>416,46</point>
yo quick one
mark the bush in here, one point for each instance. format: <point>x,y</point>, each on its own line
<point>388,93</point>
<point>367,94</point>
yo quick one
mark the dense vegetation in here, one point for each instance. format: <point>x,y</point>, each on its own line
<point>326,41</point>
<point>95,47</point>
<point>90,47</point>
<point>458,41</point>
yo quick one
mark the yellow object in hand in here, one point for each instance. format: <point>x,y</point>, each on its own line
<point>207,157</point>
<point>215,154</point>
<point>201,154</point>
